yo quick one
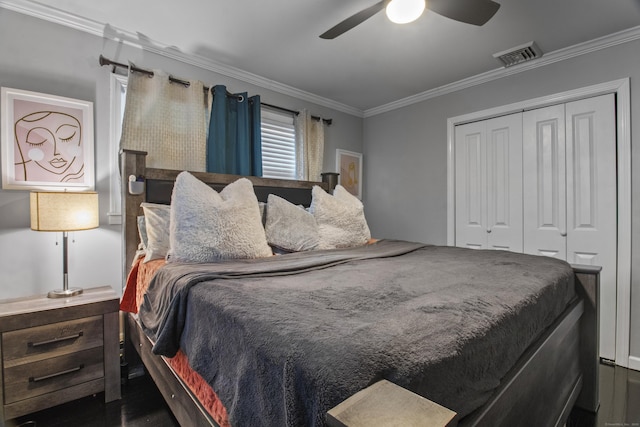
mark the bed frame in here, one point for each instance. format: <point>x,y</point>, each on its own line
<point>558,372</point>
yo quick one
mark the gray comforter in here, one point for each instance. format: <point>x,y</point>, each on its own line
<point>283,339</point>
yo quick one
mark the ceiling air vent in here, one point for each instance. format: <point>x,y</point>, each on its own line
<point>518,54</point>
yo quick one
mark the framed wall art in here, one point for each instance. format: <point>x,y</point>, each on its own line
<point>47,142</point>
<point>349,166</point>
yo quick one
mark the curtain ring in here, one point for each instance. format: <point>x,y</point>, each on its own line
<point>240,98</point>
<point>184,83</point>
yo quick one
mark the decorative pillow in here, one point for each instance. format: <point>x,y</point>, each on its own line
<point>290,227</point>
<point>156,225</point>
<point>142,231</point>
<point>340,218</point>
<point>207,226</point>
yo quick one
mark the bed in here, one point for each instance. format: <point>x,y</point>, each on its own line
<point>309,362</point>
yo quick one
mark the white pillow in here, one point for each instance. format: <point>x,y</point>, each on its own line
<point>340,218</point>
<point>156,224</point>
<point>142,231</point>
<point>290,227</point>
<point>207,226</point>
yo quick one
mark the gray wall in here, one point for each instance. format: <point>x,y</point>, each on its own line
<point>406,149</point>
<point>61,61</point>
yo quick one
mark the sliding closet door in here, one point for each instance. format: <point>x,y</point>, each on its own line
<point>488,184</point>
<point>544,182</point>
<point>591,201</point>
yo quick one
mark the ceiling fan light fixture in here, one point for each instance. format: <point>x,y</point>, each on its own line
<point>404,11</point>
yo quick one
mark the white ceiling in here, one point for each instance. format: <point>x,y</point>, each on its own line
<point>374,64</point>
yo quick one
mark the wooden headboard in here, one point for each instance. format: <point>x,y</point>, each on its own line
<point>159,185</point>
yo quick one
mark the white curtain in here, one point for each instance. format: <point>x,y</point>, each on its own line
<point>167,120</point>
<point>309,146</point>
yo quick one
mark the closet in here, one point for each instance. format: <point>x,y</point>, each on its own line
<point>544,182</point>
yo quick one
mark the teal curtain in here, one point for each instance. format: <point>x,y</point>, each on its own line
<point>234,142</point>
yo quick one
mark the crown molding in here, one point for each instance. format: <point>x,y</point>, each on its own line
<point>50,14</point>
<point>610,40</point>
<point>47,13</point>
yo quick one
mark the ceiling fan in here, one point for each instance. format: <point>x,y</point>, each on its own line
<point>476,12</point>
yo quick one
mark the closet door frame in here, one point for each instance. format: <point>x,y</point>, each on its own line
<point>623,127</point>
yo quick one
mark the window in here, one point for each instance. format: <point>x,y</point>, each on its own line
<point>278,145</point>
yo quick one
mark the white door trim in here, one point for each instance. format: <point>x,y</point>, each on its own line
<point>623,125</point>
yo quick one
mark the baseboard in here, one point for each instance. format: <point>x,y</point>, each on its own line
<point>634,363</point>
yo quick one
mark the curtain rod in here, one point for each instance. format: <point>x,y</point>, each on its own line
<point>105,61</point>
<point>295,113</point>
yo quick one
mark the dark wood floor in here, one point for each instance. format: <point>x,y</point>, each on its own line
<point>142,405</point>
<point>619,400</point>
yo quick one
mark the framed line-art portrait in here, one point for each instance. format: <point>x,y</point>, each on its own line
<point>349,166</point>
<point>47,142</point>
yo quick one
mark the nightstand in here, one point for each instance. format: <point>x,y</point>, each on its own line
<point>57,350</point>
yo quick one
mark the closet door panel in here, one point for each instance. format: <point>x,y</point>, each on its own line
<point>544,182</point>
<point>591,201</point>
<point>471,205</point>
<point>504,183</point>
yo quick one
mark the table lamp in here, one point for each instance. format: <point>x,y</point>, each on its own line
<point>64,212</point>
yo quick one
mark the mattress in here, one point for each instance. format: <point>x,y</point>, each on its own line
<point>283,339</point>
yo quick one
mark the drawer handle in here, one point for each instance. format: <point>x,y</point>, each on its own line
<point>57,374</point>
<point>55,340</point>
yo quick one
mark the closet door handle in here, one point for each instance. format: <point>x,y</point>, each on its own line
<point>563,233</point>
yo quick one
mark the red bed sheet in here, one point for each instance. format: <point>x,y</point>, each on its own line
<point>137,284</point>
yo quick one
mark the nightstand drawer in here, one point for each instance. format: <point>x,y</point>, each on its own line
<point>41,342</point>
<point>53,374</point>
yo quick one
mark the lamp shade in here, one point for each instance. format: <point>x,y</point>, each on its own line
<point>69,211</point>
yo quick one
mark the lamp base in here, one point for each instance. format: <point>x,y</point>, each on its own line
<point>64,293</point>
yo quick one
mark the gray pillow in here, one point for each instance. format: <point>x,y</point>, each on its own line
<point>290,227</point>
<point>340,218</point>
<point>207,226</point>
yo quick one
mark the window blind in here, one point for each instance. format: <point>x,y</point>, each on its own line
<point>278,145</point>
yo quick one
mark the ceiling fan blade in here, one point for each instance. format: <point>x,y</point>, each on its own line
<point>476,12</point>
<point>354,20</point>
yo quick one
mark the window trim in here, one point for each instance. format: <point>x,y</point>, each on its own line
<point>118,85</point>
